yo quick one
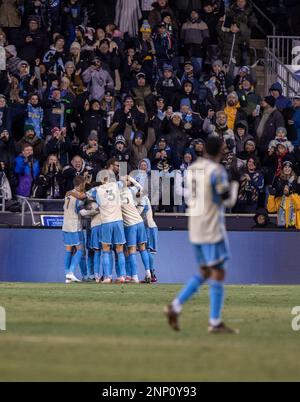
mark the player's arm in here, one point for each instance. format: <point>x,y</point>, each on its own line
<point>228,191</point>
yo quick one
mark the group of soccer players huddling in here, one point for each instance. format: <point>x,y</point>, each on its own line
<point>122,225</point>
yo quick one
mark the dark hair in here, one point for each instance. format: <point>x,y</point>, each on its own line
<point>111,162</point>
<point>214,145</point>
<point>78,180</point>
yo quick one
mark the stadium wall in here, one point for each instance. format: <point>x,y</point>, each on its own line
<point>36,255</point>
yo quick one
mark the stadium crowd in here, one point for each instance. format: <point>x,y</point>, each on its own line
<point>145,83</point>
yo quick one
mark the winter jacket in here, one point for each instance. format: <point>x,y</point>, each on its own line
<point>246,19</point>
<point>296,119</point>
<point>227,39</point>
<point>139,152</point>
<point>30,51</point>
<point>274,206</point>
<point>10,16</point>
<point>274,121</point>
<point>95,160</point>
<point>62,149</point>
<point>97,81</point>
<point>282,101</point>
<point>69,173</point>
<point>194,36</point>
<point>49,186</point>
<point>155,14</point>
<point>5,119</point>
<point>26,173</point>
<point>241,141</point>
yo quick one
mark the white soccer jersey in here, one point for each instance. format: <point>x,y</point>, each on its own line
<point>207,183</point>
<point>145,209</point>
<point>108,199</point>
<point>72,218</point>
<point>130,213</point>
<point>96,219</point>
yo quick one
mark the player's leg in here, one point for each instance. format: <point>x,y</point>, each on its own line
<point>127,265</point>
<point>146,262</point>
<point>133,263</point>
<point>90,264</point>
<point>76,258</point>
<point>174,309</point>
<point>152,246</point>
<point>151,262</point>
<point>67,259</point>
<point>97,256</point>
<point>106,263</point>
<point>216,294</point>
<point>121,263</point>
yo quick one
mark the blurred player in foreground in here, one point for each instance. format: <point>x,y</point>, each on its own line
<point>209,192</point>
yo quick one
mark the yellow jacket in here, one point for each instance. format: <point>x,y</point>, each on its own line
<point>274,205</point>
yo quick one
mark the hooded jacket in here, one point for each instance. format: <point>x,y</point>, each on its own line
<point>241,141</point>
<point>282,101</point>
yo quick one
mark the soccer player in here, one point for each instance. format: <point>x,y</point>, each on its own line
<point>95,236</point>
<point>107,196</point>
<point>72,228</point>
<point>135,232</point>
<point>145,210</point>
<point>208,193</point>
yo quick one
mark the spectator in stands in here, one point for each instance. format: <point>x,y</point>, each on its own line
<point>27,170</point>
<point>140,144</point>
<point>162,156</point>
<point>7,155</point>
<point>233,110</point>
<point>78,167</point>
<point>49,184</point>
<point>267,123</point>
<point>35,114</point>
<point>10,17</point>
<point>59,145</point>
<point>251,185</point>
<point>241,135</point>
<point>97,79</point>
<point>241,12</point>
<point>121,152</point>
<point>262,220</point>
<point>12,60</point>
<point>249,100</point>
<point>32,41</point>
<point>30,138</point>
<point>93,153</point>
<point>5,115</point>
<point>155,15</point>
<point>296,117</point>
<point>195,38</point>
<point>282,102</point>
<point>287,177</point>
<point>286,206</point>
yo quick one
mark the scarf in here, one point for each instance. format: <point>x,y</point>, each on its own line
<point>264,118</point>
<point>286,207</point>
<point>231,112</point>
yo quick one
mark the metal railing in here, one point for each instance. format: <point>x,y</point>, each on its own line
<point>277,71</point>
<point>265,17</point>
<point>285,48</point>
<point>32,204</point>
<point>2,200</point>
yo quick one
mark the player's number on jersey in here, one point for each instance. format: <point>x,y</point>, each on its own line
<point>124,199</point>
<point>111,195</point>
<point>68,202</point>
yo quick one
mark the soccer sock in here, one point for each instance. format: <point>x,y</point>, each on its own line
<point>106,264</point>
<point>151,260</point>
<point>111,263</point>
<point>187,292</point>
<point>90,263</point>
<point>216,294</point>
<point>67,261</point>
<point>145,259</point>
<point>128,266</point>
<point>82,265</point>
<point>97,263</point>
<point>76,259</point>
<point>133,264</point>
<point>121,264</point>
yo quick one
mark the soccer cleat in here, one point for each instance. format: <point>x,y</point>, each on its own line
<point>153,278</point>
<point>135,279</point>
<point>120,279</point>
<point>221,329</point>
<point>97,279</point>
<point>71,278</point>
<point>128,279</point>
<point>172,317</point>
<point>106,281</point>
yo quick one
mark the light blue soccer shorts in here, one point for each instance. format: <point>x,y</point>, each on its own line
<point>152,239</point>
<point>95,240</point>
<point>135,234</point>
<point>73,238</point>
<point>212,255</point>
<point>113,233</point>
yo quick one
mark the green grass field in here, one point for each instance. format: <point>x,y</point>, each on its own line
<point>87,332</point>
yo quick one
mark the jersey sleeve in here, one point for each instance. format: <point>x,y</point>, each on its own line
<point>93,194</point>
<point>220,185</point>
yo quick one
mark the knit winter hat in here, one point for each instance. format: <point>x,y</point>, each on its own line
<point>11,49</point>
<point>146,27</point>
<point>167,67</point>
<point>270,100</point>
<point>233,93</point>
<point>178,114</point>
<point>218,63</point>
<point>28,127</point>
<point>185,102</point>
<point>120,139</point>
<point>281,129</point>
<point>93,136</point>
